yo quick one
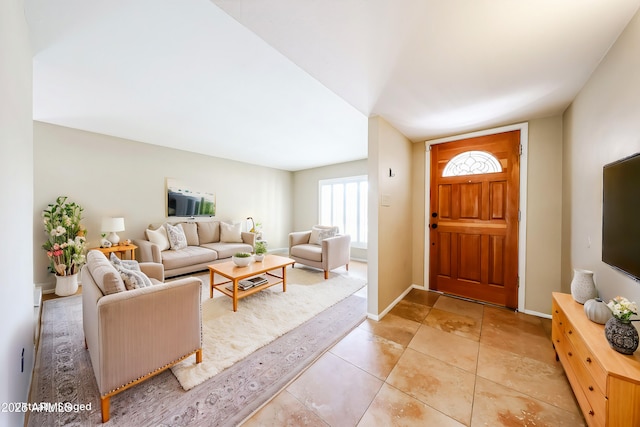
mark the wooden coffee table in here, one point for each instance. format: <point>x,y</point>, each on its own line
<point>234,273</point>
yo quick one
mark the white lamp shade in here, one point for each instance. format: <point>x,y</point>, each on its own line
<point>113,224</point>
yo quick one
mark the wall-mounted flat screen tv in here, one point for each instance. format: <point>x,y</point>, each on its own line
<point>185,201</point>
<point>621,215</point>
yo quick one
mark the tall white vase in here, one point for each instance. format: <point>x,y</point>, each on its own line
<point>66,285</point>
<point>582,286</point>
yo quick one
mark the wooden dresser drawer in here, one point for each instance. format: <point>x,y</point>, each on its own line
<point>558,340</point>
<point>588,360</point>
<point>585,405</point>
<point>558,317</point>
<point>595,413</point>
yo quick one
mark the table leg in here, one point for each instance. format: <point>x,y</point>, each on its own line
<point>284,279</point>
<point>210,283</point>
<point>235,294</point>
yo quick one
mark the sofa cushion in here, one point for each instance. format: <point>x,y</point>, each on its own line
<point>158,237</point>
<point>104,273</point>
<point>186,257</point>
<point>177,239</point>
<point>191,232</point>
<point>208,232</point>
<point>308,251</point>
<point>321,232</point>
<point>226,250</point>
<point>230,233</point>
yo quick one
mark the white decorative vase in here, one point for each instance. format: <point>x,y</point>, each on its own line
<point>66,285</point>
<point>258,258</point>
<point>597,311</point>
<point>582,286</point>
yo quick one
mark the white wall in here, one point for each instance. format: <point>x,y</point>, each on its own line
<point>602,125</point>
<point>80,165</point>
<point>16,173</point>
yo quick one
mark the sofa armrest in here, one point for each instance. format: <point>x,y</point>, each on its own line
<point>91,294</point>
<point>145,329</point>
<point>154,270</point>
<point>336,251</point>
<point>298,238</point>
<point>249,238</point>
<point>147,251</point>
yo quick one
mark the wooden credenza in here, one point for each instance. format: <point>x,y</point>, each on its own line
<point>605,382</point>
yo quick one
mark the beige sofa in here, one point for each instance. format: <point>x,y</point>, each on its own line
<point>134,334</point>
<point>206,243</point>
<point>321,247</point>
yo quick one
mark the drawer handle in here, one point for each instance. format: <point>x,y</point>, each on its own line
<point>588,360</point>
<point>561,323</point>
<point>591,412</point>
<point>590,388</point>
<point>570,354</point>
<point>570,331</point>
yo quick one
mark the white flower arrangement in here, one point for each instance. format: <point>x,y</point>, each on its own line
<point>622,308</point>
<point>66,243</point>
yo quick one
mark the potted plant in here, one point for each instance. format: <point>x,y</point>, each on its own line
<point>242,259</point>
<point>261,250</point>
<point>65,244</point>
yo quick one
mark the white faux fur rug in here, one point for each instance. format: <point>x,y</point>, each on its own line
<point>261,318</point>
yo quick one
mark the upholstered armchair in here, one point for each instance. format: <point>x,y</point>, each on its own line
<point>134,334</point>
<point>321,247</point>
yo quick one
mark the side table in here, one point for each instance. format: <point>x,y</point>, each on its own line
<point>120,251</point>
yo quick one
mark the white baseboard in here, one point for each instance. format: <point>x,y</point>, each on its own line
<point>537,313</point>
<point>378,317</point>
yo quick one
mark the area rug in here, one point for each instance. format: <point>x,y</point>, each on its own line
<point>63,373</point>
<point>229,336</point>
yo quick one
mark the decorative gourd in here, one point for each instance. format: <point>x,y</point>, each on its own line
<point>597,311</point>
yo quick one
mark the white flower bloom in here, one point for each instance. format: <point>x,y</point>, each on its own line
<point>622,308</point>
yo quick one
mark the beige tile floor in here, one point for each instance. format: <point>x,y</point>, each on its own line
<point>433,360</point>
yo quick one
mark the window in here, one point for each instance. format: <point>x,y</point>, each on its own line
<point>471,163</point>
<point>343,202</point>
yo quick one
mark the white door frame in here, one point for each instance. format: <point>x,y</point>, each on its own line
<point>522,226</point>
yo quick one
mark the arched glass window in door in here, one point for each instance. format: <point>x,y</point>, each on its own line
<point>471,163</point>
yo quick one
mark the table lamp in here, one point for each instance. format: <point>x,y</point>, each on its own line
<point>253,224</point>
<point>112,226</point>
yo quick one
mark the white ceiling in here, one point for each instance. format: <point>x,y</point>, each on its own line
<point>290,83</point>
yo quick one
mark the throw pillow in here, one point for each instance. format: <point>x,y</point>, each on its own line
<point>130,264</point>
<point>191,231</point>
<point>208,232</point>
<point>177,239</point>
<point>322,232</point>
<point>104,274</point>
<point>133,279</point>
<point>230,233</point>
<point>130,273</point>
<point>158,237</point>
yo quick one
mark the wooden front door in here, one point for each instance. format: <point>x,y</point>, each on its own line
<point>474,219</point>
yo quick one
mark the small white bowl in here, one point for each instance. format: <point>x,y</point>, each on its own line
<point>242,261</point>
